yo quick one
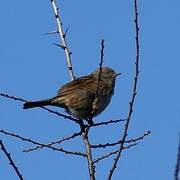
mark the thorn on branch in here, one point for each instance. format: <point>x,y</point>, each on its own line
<point>61,46</point>
<point>66,31</point>
<point>52,32</point>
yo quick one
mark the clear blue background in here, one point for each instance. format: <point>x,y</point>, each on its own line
<point>32,68</point>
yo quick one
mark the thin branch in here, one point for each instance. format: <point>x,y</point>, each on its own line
<point>91,166</point>
<point>118,142</point>
<point>54,142</point>
<point>100,65</point>
<point>13,97</point>
<point>177,168</point>
<point>133,94</point>
<point>11,162</point>
<point>40,144</point>
<point>113,152</point>
<point>63,38</point>
<point>47,109</point>
<point>105,156</point>
<point>107,122</point>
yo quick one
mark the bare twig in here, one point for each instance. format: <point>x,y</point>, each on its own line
<point>107,122</point>
<point>91,166</point>
<point>100,65</point>
<point>63,38</point>
<point>13,97</point>
<point>55,142</point>
<point>105,156</point>
<point>111,153</point>
<point>118,142</point>
<point>133,94</point>
<point>177,168</point>
<point>40,144</point>
<point>11,162</point>
<point>47,109</point>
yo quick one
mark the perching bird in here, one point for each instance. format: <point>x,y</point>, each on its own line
<point>85,97</point>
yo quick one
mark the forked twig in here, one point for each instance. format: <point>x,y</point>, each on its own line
<point>41,144</point>
<point>118,142</point>
<point>91,166</point>
<point>54,142</point>
<point>85,131</point>
<point>133,95</point>
<point>11,162</point>
<point>113,152</point>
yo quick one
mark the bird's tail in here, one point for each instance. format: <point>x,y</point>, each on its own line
<point>28,105</point>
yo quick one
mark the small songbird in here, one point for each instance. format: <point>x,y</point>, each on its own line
<point>85,97</point>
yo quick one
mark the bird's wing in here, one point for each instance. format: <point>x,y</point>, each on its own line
<point>80,99</point>
<point>78,84</point>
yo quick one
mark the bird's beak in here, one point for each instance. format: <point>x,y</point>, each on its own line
<point>117,74</point>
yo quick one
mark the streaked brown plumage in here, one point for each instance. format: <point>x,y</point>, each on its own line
<point>80,97</point>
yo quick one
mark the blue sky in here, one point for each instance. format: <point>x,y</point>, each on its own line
<point>32,68</point>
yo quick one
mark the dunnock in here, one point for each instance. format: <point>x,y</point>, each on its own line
<point>84,97</point>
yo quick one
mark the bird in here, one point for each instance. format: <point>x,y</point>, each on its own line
<point>84,97</point>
